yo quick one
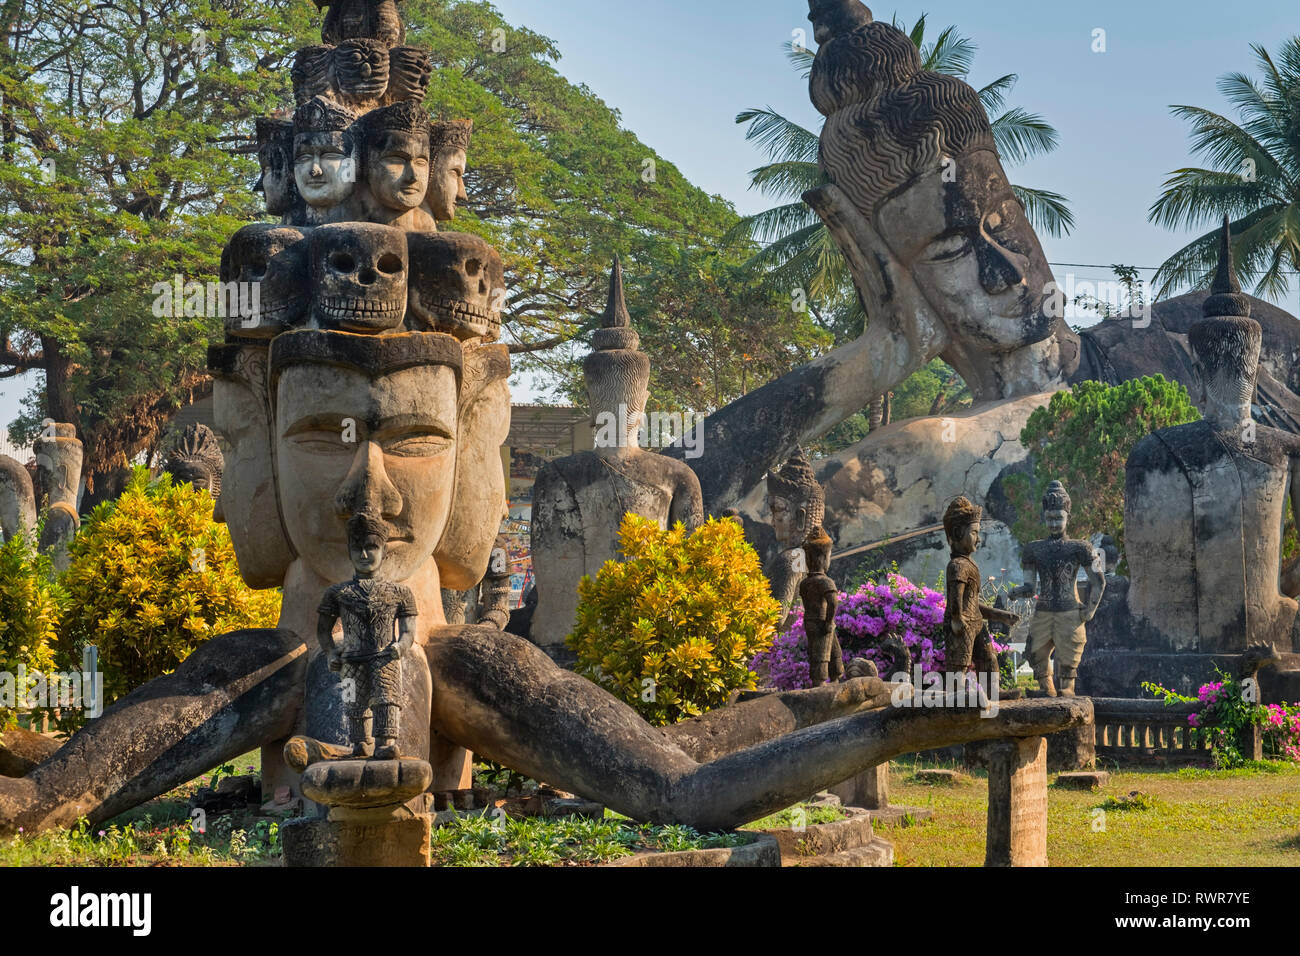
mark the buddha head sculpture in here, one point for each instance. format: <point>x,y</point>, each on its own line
<point>457,284</point>
<point>409,70</point>
<point>365,19</point>
<point>275,156</point>
<point>275,259</point>
<point>324,153</point>
<point>358,277</point>
<point>449,147</point>
<point>365,423</point>
<point>248,503</point>
<point>360,73</point>
<point>923,209</point>
<point>196,459</point>
<point>797,501</point>
<point>617,372</point>
<point>312,73</point>
<point>1056,509</point>
<point>1226,346</point>
<point>397,161</point>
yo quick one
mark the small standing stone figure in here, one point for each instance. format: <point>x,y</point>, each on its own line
<point>378,630</point>
<point>1051,569</point>
<point>821,600</point>
<point>967,643</point>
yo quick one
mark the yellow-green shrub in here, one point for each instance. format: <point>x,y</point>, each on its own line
<point>152,577</point>
<point>30,605</point>
<point>671,629</point>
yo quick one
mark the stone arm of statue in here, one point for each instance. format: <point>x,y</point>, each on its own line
<point>785,579</point>
<point>405,635</point>
<point>1291,572</point>
<point>1030,587</point>
<point>687,504</point>
<point>999,616</point>
<point>325,637</point>
<point>1096,589</point>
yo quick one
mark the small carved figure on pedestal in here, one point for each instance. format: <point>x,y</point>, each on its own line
<point>821,600</point>
<point>967,645</point>
<point>1051,570</point>
<point>378,630</point>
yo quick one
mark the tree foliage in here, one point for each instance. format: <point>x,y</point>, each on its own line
<point>30,605</point>
<point>151,578</point>
<point>1083,438</point>
<point>671,629</point>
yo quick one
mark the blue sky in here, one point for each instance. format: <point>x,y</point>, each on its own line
<point>679,71</point>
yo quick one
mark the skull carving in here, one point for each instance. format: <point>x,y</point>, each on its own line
<point>458,285</point>
<point>358,277</point>
<point>360,73</point>
<point>270,262</point>
<point>311,73</point>
<point>409,69</point>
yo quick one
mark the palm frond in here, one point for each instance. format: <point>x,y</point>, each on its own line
<point>787,180</point>
<point>773,225</point>
<point>801,58</point>
<point>1020,135</point>
<point>993,97</point>
<point>783,140</point>
<point>1226,145</point>
<point>1196,197</point>
<point>1048,211</point>
<point>1193,265</point>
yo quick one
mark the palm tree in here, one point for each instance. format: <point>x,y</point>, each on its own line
<point>1255,180</point>
<point>798,251</point>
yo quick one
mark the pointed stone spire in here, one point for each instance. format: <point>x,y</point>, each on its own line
<point>616,330</point>
<point>1226,297</point>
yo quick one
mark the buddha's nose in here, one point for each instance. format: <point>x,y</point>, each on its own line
<point>367,487</point>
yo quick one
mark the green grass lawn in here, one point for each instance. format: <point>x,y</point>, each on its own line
<point>1247,817</point>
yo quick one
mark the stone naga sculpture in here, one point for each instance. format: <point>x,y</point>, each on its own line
<point>325,425</point>
<point>196,459</point>
<point>17,500</point>
<point>1051,569</point>
<point>579,501</point>
<point>1204,502</point>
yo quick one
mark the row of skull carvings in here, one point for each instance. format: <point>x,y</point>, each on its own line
<point>364,278</point>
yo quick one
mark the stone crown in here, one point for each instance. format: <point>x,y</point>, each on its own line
<point>797,482</point>
<point>1227,298</point>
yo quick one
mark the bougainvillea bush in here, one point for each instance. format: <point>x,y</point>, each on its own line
<point>1227,710</point>
<point>671,629</point>
<point>864,619</point>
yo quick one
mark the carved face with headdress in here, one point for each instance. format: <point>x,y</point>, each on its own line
<point>449,146</point>
<point>914,153</point>
<point>397,155</point>
<point>325,154</point>
<point>797,501</point>
<point>196,459</point>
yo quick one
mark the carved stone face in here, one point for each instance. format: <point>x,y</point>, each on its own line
<point>247,503</point>
<point>972,253</point>
<point>789,521</point>
<point>358,277</point>
<point>401,464</point>
<point>1057,521</point>
<point>397,170</point>
<point>447,184</point>
<point>275,258</point>
<point>457,281</point>
<point>324,168</point>
<point>969,541</point>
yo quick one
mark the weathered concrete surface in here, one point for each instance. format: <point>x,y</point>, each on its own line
<point>763,852</point>
<point>1017,817</point>
<point>822,839</point>
<point>22,750</point>
<point>232,695</point>
<point>17,499</point>
<point>901,477</point>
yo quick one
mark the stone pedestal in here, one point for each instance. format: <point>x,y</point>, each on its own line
<point>369,823</point>
<point>1073,749</point>
<point>870,789</point>
<point>1017,820</point>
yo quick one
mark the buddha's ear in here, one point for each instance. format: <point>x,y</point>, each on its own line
<point>479,495</point>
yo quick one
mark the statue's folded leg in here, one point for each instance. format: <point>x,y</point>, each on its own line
<point>504,698</point>
<point>235,693</point>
